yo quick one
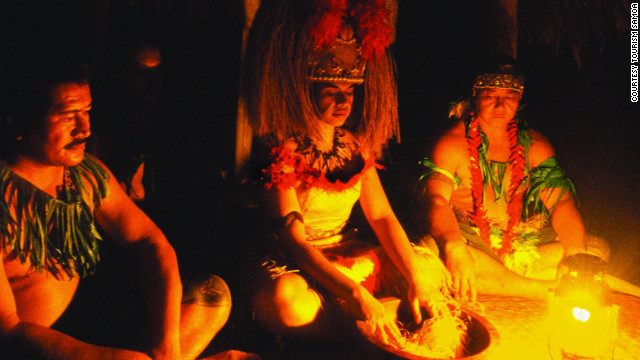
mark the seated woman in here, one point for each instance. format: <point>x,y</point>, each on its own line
<point>496,200</point>
<point>322,162</point>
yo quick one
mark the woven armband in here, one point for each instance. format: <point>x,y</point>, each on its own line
<point>436,173</point>
<point>286,221</point>
<point>280,224</point>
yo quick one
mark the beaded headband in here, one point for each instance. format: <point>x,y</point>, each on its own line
<point>501,81</point>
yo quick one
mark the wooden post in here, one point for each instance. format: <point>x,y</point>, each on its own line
<point>504,28</point>
<point>244,134</point>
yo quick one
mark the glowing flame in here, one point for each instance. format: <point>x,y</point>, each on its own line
<point>581,326</point>
<point>581,314</point>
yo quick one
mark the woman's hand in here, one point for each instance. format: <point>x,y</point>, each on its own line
<point>431,300</point>
<point>462,268</point>
<point>369,309</point>
<point>428,288</point>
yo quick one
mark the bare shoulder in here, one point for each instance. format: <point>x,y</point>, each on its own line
<point>541,149</point>
<point>112,182</point>
<point>102,165</point>
<point>451,147</point>
<point>115,196</point>
<point>95,159</point>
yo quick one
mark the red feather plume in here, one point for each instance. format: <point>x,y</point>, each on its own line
<point>370,19</point>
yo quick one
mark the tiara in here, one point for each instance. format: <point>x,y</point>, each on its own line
<point>501,81</point>
<point>343,62</point>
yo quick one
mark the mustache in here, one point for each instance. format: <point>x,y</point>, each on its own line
<point>77,142</point>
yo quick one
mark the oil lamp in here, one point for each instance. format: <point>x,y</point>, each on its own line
<point>582,321</point>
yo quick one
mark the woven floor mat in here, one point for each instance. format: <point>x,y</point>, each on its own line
<point>628,343</point>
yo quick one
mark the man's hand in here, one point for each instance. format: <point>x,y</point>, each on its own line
<point>462,268</point>
<point>366,307</point>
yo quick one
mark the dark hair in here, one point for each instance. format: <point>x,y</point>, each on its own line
<point>26,97</point>
<point>275,89</point>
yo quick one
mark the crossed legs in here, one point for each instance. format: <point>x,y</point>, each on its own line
<point>494,278</point>
<point>206,305</point>
<point>288,306</point>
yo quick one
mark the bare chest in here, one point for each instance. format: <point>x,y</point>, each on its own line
<point>40,298</point>
<point>18,271</point>
<point>495,186</point>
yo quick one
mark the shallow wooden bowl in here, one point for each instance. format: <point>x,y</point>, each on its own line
<point>482,336</point>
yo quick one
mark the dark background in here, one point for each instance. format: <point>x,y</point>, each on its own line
<point>210,217</point>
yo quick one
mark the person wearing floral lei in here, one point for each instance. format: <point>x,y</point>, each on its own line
<point>496,201</point>
<point>318,84</point>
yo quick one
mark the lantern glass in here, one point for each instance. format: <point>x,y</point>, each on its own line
<point>581,319</point>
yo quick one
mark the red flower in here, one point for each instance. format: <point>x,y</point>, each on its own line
<point>288,169</point>
<point>517,163</point>
<point>373,29</point>
<point>326,21</point>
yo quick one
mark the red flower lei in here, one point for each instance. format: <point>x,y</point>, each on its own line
<point>517,163</point>
<point>288,168</point>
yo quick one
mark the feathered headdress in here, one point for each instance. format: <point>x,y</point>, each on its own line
<point>293,43</point>
<point>372,19</point>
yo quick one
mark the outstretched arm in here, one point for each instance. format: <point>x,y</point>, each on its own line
<point>124,222</point>
<point>557,194</point>
<point>449,154</point>
<point>566,222</point>
<point>424,282</point>
<point>443,226</point>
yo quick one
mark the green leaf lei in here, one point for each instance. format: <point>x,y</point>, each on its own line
<point>547,175</point>
<point>495,171</point>
<point>54,233</point>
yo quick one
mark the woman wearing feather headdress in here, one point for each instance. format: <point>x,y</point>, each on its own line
<point>318,85</point>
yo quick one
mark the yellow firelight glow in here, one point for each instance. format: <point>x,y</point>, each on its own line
<point>580,325</point>
<point>581,314</point>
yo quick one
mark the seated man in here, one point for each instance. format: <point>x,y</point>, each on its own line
<point>54,197</point>
<point>497,203</point>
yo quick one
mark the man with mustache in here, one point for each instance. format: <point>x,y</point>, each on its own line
<point>53,199</point>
